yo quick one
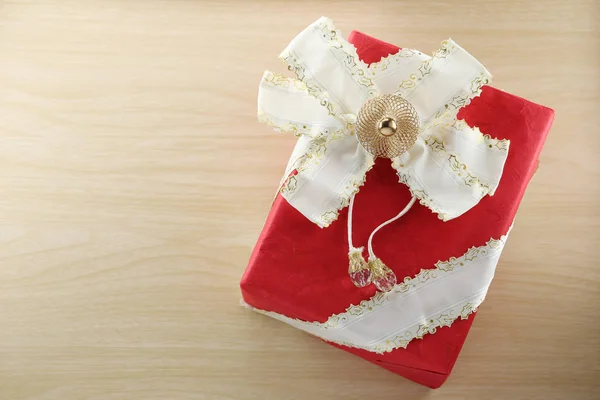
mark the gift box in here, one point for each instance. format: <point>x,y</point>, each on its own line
<point>442,251</point>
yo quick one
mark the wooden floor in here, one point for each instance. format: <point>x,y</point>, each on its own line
<point>134,181</point>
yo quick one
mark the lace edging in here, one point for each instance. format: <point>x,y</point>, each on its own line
<point>460,99</point>
<point>296,128</point>
<point>417,190</point>
<point>283,82</point>
<point>346,53</point>
<point>452,162</point>
<point>313,88</point>
<point>316,151</point>
<point>491,142</point>
<point>385,62</point>
<point>460,169</point>
<point>464,97</point>
<point>356,182</point>
<point>446,48</point>
<point>444,319</point>
<point>290,85</point>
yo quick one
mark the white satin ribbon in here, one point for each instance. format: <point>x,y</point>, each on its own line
<point>450,168</point>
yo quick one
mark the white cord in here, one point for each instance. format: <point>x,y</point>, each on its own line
<point>350,208</point>
<point>389,221</point>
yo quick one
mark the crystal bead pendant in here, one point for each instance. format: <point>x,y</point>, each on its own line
<point>383,277</point>
<point>358,269</point>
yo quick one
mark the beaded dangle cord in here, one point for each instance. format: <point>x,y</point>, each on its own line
<point>387,126</point>
<point>362,273</point>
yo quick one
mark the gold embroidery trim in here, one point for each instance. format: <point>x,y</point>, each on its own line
<point>316,150</point>
<point>417,190</point>
<point>425,69</point>
<point>344,53</point>
<point>283,82</point>
<point>459,169</point>
<point>383,64</point>
<point>452,161</point>
<point>315,153</point>
<point>294,64</point>
<point>301,128</point>
<point>464,97</point>
<point>490,142</point>
<point>353,187</point>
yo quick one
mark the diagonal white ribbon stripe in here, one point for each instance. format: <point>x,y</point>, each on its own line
<point>432,299</point>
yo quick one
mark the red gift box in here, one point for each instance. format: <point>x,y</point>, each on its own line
<point>300,270</point>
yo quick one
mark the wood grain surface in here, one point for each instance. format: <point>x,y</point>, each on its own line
<point>134,181</point>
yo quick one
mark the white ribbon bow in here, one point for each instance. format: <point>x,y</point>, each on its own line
<point>449,169</point>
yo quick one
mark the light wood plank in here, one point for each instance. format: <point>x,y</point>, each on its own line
<point>134,182</point>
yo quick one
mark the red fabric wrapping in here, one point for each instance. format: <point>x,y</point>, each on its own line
<point>300,270</point>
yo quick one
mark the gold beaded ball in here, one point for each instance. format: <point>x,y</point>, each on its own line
<point>387,126</point>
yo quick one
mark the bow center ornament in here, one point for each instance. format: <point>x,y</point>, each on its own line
<point>387,126</point>
<point>404,108</point>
